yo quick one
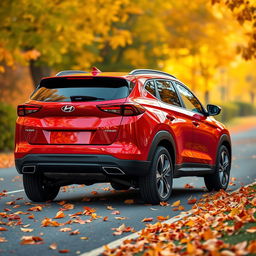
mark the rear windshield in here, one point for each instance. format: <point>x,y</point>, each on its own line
<point>66,89</point>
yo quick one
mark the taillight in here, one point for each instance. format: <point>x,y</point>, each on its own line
<point>123,110</point>
<point>27,109</point>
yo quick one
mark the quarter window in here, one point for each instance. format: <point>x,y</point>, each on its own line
<point>190,101</point>
<point>150,87</point>
<point>167,92</point>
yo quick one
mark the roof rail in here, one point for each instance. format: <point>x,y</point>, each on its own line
<point>69,72</point>
<point>149,71</point>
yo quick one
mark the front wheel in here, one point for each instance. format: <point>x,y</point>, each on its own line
<point>157,185</point>
<point>220,178</point>
<point>36,190</point>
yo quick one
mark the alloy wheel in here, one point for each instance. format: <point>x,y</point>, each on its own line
<point>163,174</point>
<point>224,168</point>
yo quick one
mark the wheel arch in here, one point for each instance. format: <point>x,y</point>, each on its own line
<point>165,139</point>
<point>226,141</point>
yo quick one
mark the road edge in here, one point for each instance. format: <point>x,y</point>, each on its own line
<point>116,243</point>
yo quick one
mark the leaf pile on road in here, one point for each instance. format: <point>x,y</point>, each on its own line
<point>222,224</point>
<point>6,160</point>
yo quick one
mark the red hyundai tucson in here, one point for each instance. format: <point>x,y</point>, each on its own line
<point>139,130</point>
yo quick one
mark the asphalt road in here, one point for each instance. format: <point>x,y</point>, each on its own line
<point>100,232</point>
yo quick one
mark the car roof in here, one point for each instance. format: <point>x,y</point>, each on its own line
<point>137,73</point>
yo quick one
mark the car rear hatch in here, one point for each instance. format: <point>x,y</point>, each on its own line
<point>69,110</point>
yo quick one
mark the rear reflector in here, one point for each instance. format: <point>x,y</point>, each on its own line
<point>27,109</point>
<point>123,110</point>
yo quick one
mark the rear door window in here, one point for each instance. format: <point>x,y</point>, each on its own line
<point>67,89</point>
<point>167,92</point>
<point>150,87</point>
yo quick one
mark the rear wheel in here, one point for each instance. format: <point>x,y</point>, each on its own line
<point>118,186</point>
<point>36,190</point>
<point>157,185</point>
<point>220,178</point>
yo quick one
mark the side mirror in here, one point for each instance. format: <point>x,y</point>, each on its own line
<point>213,110</point>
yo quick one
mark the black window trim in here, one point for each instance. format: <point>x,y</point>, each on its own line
<point>157,93</point>
<point>184,106</point>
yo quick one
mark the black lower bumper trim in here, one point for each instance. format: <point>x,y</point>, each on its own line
<point>76,163</point>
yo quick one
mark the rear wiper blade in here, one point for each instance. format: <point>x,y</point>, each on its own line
<point>84,98</point>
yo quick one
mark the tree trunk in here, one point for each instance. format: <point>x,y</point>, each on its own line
<point>37,72</point>
<point>206,97</point>
<point>252,96</point>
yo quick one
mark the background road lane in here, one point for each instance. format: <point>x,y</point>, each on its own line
<point>99,232</point>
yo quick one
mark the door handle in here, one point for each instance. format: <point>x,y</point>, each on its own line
<point>170,117</point>
<point>195,123</point>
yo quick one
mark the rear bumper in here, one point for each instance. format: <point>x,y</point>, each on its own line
<point>78,163</point>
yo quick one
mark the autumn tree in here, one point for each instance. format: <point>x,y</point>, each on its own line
<point>50,33</point>
<point>245,13</point>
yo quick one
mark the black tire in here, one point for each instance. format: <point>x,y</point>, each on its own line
<point>220,178</point>
<point>118,186</point>
<point>156,187</point>
<point>35,189</point>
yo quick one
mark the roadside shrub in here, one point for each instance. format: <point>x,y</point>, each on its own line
<point>7,126</point>
<point>228,111</point>
<point>234,109</point>
<point>245,109</point>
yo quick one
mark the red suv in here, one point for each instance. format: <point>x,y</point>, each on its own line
<point>140,130</point>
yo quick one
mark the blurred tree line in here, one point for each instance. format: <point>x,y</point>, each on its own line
<point>120,34</point>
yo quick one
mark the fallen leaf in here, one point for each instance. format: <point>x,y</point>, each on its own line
<point>3,229</point>
<point>64,251</point>
<point>251,230</point>
<point>181,208</point>
<point>27,230</point>
<point>207,234</point>
<point>31,240</point>
<point>49,222</point>
<point>191,249</point>
<point>11,203</point>
<point>175,204</point>
<point>37,208</point>
<point>147,220</point>
<point>3,240</point>
<point>109,207</point>
<point>227,253</point>
<point>59,215</point>
<point>75,232</point>
<point>61,202</point>
<point>68,206</point>
<point>162,218</point>
<point>192,200</point>
<point>65,229</point>
<point>84,238</point>
<point>105,218</point>
<point>121,229</point>
<point>53,246</point>
<point>188,186</point>
<point>121,218</point>
<point>115,212</point>
<point>164,204</point>
<point>252,247</point>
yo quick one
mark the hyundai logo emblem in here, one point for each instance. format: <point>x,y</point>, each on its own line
<point>68,108</point>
